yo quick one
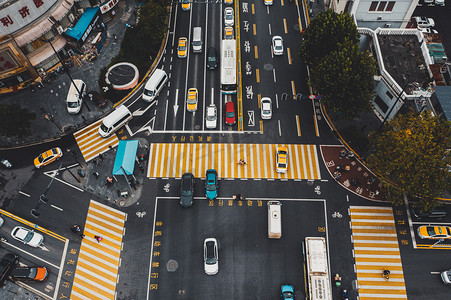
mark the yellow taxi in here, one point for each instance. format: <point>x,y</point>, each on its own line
<point>228,33</point>
<point>228,2</point>
<point>186,5</point>
<point>434,232</point>
<point>48,157</point>
<point>182,48</point>
<point>191,103</point>
<point>281,160</point>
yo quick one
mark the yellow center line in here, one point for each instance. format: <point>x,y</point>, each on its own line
<point>261,126</point>
<point>293,89</point>
<point>282,2</point>
<point>253,9</point>
<point>34,226</point>
<point>298,125</point>
<point>257,74</point>
<point>285,25</point>
<point>256,51</point>
<point>306,9</point>
<point>259,98</point>
<point>289,56</point>
<point>254,26</point>
<point>238,55</point>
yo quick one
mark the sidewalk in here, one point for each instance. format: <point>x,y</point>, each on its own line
<point>358,179</point>
<point>51,99</point>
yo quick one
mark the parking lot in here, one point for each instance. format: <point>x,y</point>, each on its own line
<point>250,264</point>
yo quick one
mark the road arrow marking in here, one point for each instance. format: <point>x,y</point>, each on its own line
<point>176,106</point>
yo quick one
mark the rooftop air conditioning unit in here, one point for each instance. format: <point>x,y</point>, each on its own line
<point>80,10</point>
<point>60,29</point>
<point>387,25</point>
<point>71,17</point>
<point>379,18</point>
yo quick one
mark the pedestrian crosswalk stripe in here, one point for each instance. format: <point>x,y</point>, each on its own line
<point>375,249</point>
<point>171,160</point>
<point>90,142</point>
<point>98,262</point>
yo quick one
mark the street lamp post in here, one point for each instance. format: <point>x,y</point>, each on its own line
<point>59,58</point>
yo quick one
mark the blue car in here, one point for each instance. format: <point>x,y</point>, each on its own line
<point>211,184</point>
<point>287,291</point>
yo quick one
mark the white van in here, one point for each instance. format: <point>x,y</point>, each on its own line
<point>74,98</point>
<point>115,120</point>
<point>154,85</point>
<point>197,39</point>
<point>274,219</point>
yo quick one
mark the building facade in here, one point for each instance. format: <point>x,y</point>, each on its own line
<point>33,31</point>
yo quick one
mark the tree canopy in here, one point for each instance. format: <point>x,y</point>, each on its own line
<point>324,34</point>
<point>15,121</point>
<point>340,72</point>
<point>345,80</point>
<point>411,154</point>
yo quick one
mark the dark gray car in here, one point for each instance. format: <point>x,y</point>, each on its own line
<point>187,190</point>
<point>212,58</point>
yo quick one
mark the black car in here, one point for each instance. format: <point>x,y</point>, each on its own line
<point>212,58</point>
<point>437,213</point>
<point>8,262</point>
<point>187,190</point>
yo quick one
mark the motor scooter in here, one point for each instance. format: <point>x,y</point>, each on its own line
<point>5,163</point>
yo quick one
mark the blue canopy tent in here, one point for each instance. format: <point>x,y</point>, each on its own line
<point>83,25</point>
<point>125,158</point>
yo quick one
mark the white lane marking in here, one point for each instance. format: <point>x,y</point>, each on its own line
<point>274,74</point>
<point>56,207</point>
<point>280,129</point>
<point>20,192</point>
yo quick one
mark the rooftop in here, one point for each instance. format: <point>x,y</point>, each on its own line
<point>403,59</point>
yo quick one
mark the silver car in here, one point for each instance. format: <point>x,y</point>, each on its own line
<point>229,18</point>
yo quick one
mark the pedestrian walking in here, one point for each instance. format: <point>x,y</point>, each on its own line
<point>98,238</point>
<point>101,156</point>
<point>96,174</point>
<point>75,228</point>
<point>118,192</point>
<point>81,234</point>
<point>109,181</point>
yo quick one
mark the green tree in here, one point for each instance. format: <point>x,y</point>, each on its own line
<point>324,34</point>
<point>345,80</point>
<point>15,121</point>
<point>411,154</point>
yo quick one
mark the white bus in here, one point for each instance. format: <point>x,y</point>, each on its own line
<point>317,269</point>
<point>228,66</point>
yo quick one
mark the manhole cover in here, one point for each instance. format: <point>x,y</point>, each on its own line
<point>172,265</point>
<point>197,127</point>
<point>181,292</point>
<point>122,203</point>
<point>268,67</point>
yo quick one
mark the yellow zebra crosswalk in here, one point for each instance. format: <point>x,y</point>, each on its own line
<point>172,160</point>
<point>375,249</point>
<point>90,142</point>
<point>98,262</point>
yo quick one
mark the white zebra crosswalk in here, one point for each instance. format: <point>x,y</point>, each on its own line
<point>98,262</point>
<point>172,160</point>
<point>376,249</point>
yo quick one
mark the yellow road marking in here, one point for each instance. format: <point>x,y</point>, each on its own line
<point>253,9</point>
<point>254,26</point>
<point>289,56</point>
<point>298,125</point>
<point>261,126</point>
<point>293,89</point>
<point>257,74</point>
<point>256,51</point>
<point>34,226</point>
<point>285,25</point>
<point>259,99</point>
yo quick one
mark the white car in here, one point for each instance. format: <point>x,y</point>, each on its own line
<point>212,117</point>
<point>211,265</point>
<point>27,236</point>
<point>423,22</point>
<point>440,2</point>
<point>229,18</point>
<point>427,30</point>
<point>268,2</point>
<point>266,108</point>
<point>277,45</point>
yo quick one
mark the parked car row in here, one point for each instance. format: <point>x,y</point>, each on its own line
<point>187,187</point>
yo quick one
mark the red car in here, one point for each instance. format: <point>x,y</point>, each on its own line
<point>230,116</point>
